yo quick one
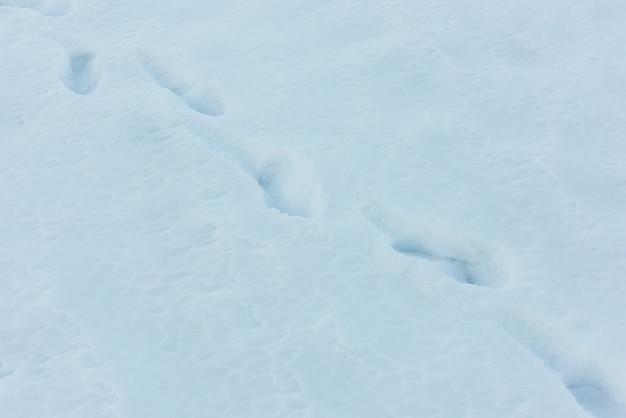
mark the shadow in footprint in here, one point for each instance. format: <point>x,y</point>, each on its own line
<point>83,72</point>
<point>287,182</point>
<point>462,259</point>
<point>286,178</point>
<point>460,270</point>
<point>582,372</point>
<point>595,400</point>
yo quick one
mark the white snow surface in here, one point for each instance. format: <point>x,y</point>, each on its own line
<point>312,209</point>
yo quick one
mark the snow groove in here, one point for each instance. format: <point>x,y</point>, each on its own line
<point>462,259</point>
<point>197,94</point>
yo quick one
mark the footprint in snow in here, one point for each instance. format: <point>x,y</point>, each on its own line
<point>83,71</point>
<point>463,259</point>
<point>197,94</point>
<point>287,182</point>
<point>583,374</point>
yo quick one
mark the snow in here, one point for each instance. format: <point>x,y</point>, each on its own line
<point>316,209</point>
<point>83,72</point>
<point>465,260</point>
<point>189,87</point>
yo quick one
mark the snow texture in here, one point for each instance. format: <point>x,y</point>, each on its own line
<point>53,8</point>
<point>197,94</point>
<point>312,209</point>
<point>286,178</point>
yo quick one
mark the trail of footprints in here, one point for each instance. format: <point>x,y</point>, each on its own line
<point>470,262</point>
<point>285,177</point>
<point>288,184</point>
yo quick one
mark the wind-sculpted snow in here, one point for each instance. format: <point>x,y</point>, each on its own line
<point>463,259</point>
<point>156,261</point>
<point>198,94</point>
<point>47,368</point>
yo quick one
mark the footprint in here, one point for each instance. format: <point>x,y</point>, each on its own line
<point>286,178</point>
<point>196,93</point>
<point>287,182</point>
<point>596,400</point>
<point>53,8</point>
<point>462,259</point>
<point>582,373</point>
<point>83,71</point>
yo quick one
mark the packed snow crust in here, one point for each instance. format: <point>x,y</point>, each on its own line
<point>312,209</point>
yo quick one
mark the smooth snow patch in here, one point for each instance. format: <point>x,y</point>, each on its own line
<point>4,372</point>
<point>465,260</point>
<point>198,94</point>
<point>52,8</point>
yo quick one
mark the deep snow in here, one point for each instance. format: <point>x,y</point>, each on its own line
<point>321,209</point>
